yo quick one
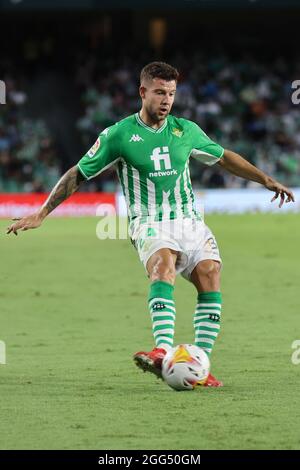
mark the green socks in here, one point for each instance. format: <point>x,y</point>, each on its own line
<point>162,311</point>
<point>207,320</point>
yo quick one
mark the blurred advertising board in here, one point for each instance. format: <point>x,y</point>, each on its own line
<point>79,204</point>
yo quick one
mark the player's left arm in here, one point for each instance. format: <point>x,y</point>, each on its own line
<point>238,166</point>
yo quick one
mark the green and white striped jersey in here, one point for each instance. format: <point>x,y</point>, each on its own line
<point>152,164</point>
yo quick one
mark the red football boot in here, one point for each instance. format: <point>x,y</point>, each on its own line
<point>212,382</point>
<point>150,361</point>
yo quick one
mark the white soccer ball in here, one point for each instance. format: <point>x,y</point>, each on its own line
<point>185,366</point>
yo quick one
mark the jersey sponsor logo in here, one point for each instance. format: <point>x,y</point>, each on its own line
<point>161,157</point>
<point>177,132</point>
<point>136,138</point>
<point>94,148</point>
<point>163,173</point>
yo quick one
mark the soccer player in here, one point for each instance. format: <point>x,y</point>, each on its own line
<point>151,151</point>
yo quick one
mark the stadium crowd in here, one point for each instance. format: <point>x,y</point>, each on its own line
<point>244,104</point>
<point>28,156</point>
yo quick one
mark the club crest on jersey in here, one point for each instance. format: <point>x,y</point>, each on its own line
<point>177,132</point>
<point>94,148</point>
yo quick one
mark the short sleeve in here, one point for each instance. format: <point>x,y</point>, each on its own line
<point>103,154</point>
<point>204,149</point>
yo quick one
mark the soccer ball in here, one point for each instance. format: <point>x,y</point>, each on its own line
<point>185,366</point>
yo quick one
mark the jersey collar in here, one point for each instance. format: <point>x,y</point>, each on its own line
<point>155,131</point>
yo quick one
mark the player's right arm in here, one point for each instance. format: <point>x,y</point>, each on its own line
<point>67,185</point>
<point>103,154</point>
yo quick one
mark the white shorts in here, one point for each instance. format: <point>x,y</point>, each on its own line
<point>191,238</point>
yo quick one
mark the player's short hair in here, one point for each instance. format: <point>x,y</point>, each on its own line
<point>159,70</point>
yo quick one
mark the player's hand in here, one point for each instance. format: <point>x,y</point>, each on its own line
<point>285,194</point>
<point>25,223</point>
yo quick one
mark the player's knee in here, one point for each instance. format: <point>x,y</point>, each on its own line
<point>209,269</point>
<point>163,271</point>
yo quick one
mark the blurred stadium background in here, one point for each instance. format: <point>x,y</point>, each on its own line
<point>74,310</point>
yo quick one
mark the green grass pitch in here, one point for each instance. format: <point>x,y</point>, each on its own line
<point>74,310</point>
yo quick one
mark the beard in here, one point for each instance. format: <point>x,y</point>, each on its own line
<point>156,116</point>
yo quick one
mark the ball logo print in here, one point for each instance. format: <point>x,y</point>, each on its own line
<point>2,352</point>
<point>185,367</point>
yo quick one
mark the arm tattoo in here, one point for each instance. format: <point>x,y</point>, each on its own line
<point>67,185</point>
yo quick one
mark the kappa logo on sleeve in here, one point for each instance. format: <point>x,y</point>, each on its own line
<point>94,148</point>
<point>106,131</point>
